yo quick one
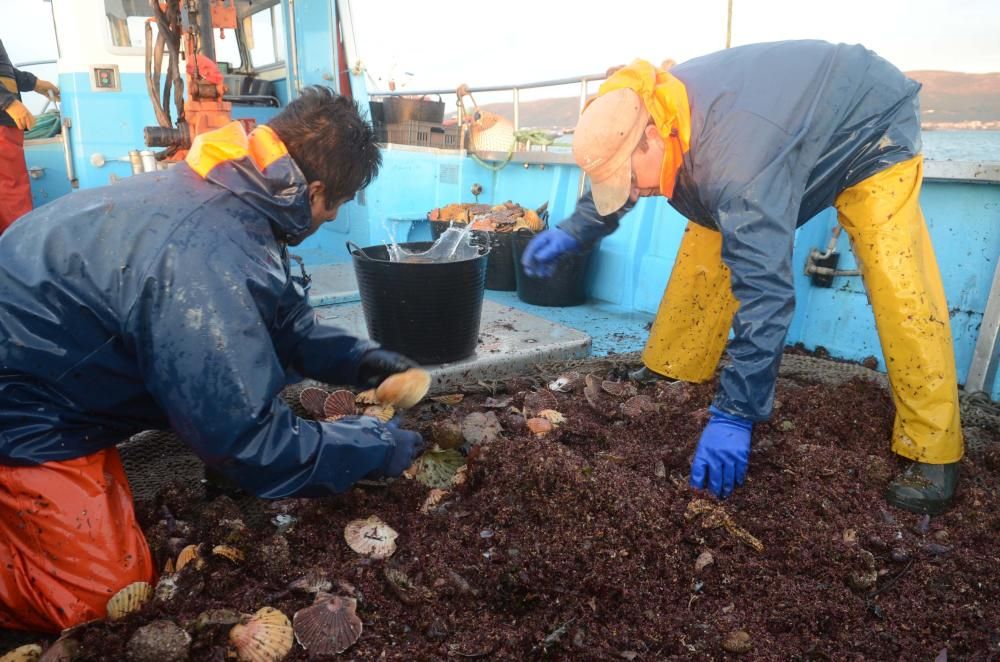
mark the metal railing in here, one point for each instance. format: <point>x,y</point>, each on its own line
<point>514,88</point>
<point>33,63</point>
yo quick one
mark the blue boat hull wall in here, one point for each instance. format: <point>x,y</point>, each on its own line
<point>632,266</point>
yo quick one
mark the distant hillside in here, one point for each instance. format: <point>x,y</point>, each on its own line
<point>949,97</point>
<point>947,100</point>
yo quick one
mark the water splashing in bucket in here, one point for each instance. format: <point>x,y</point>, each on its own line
<point>454,244</point>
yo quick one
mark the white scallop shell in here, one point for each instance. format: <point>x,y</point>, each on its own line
<point>371,537</point>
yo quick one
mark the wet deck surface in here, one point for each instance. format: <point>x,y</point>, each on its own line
<point>511,341</point>
<point>610,328</point>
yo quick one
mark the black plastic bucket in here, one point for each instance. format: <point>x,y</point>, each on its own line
<point>428,312</point>
<point>566,287</point>
<point>500,264</point>
<point>404,109</point>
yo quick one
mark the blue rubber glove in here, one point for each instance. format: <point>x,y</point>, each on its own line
<point>542,253</point>
<point>723,454</point>
<point>409,445</point>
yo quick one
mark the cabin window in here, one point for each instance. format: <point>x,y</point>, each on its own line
<point>127,30</point>
<point>265,36</point>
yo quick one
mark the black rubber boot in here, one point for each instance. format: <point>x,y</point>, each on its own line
<point>924,488</point>
<point>644,375</point>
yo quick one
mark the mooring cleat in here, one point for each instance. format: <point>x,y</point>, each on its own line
<point>924,488</point>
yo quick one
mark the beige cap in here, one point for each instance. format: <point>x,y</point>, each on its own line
<point>605,137</point>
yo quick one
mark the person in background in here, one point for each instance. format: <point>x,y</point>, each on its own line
<point>167,301</point>
<point>748,144</point>
<point>15,119</point>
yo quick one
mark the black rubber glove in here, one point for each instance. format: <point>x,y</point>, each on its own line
<point>409,445</point>
<point>377,364</point>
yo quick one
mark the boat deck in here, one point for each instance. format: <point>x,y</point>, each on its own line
<point>513,335</point>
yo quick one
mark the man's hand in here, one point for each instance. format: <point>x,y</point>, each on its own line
<point>43,87</point>
<point>723,454</point>
<point>377,364</point>
<point>543,252</point>
<point>409,445</point>
<point>21,115</point>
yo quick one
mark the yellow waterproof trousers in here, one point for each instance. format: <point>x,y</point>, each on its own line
<point>890,241</point>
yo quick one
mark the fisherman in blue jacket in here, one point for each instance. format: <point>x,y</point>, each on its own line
<point>748,144</point>
<point>167,300</point>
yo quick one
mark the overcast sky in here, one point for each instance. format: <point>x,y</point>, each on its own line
<point>439,44</point>
<point>480,43</point>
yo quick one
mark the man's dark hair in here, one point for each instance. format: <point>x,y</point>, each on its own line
<point>330,141</point>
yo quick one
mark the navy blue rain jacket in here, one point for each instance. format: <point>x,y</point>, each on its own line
<point>167,300</point>
<point>777,131</point>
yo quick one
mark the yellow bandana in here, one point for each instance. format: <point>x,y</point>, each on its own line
<point>667,102</point>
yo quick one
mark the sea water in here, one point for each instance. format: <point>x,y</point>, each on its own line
<point>961,145</point>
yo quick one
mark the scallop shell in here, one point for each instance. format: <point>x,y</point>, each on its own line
<point>371,537</point>
<point>447,434</point>
<point>267,636</point>
<point>566,382</point>
<point>619,389</point>
<point>673,393</point>
<point>63,649</point>
<point>539,426</point>
<point>312,400</point>
<point>339,404</point>
<point>537,401</point>
<point>480,428</point>
<point>366,397</point>
<point>639,406</point>
<point>460,476</point>
<point>168,567</point>
<point>598,399</point>
<point>438,468</point>
<point>405,588</point>
<point>188,554</point>
<point>383,413</point>
<point>552,416</point>
<point>213,618</point>
<point>314,581</point>
<point>737,642</point>
<point>160,640</point>
<point>329,627</point>
<point>404,389</point>
<point>228,552</point>
<point>128,600</point>
<point>533,221</point>
<point>28,653</point>
<point>433,500</point>
<point>452,399</point>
